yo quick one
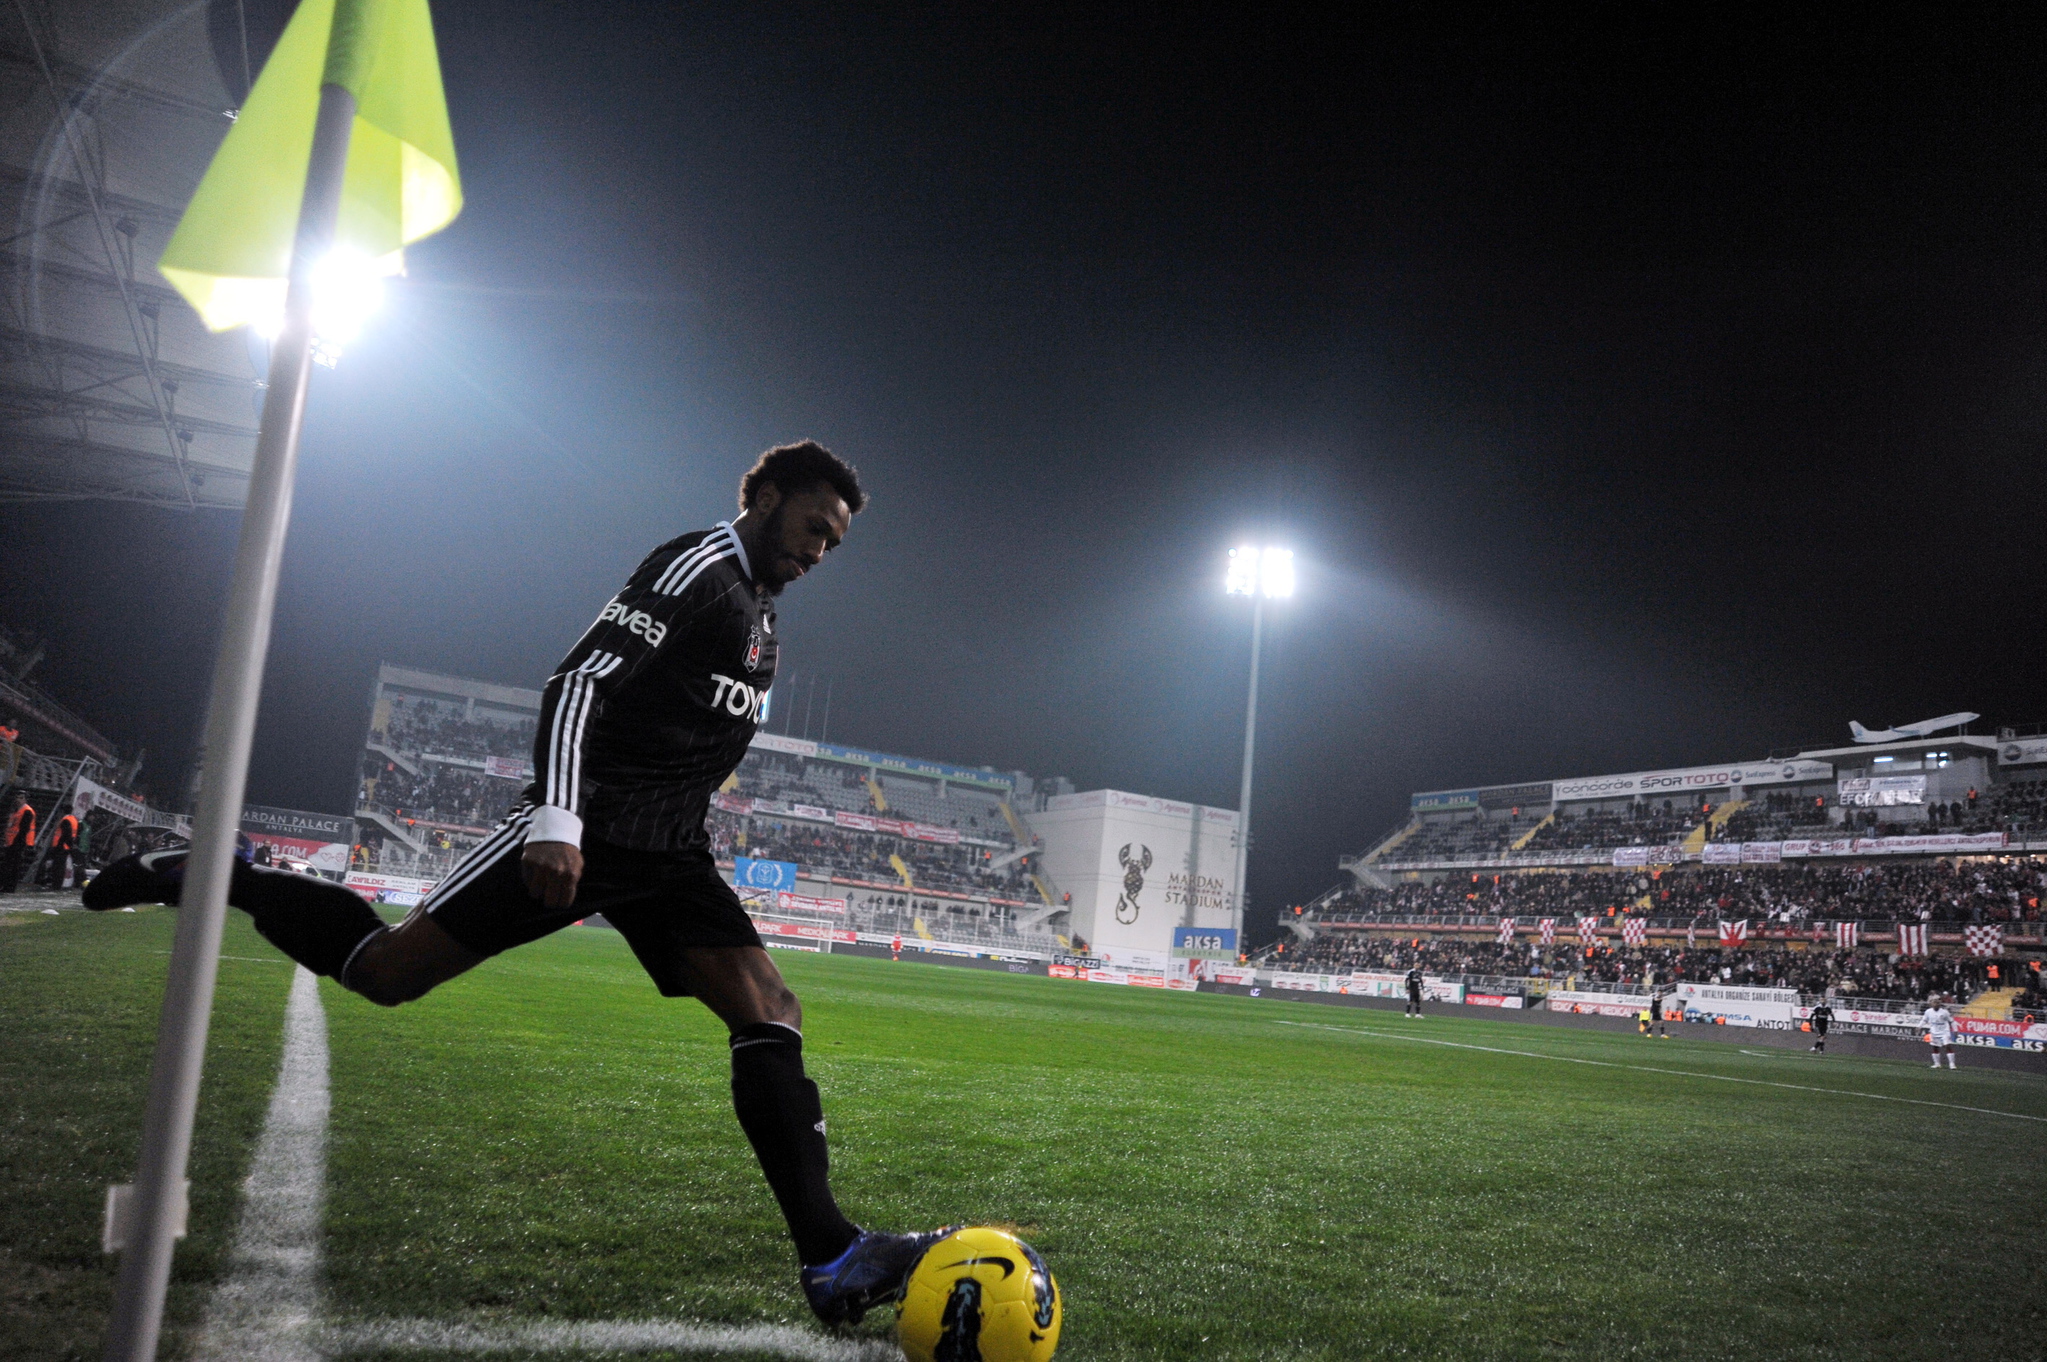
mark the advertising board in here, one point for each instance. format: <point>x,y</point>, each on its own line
<point>2022,752</point>
<point>1883,791</point>
<point>1495,1000</point>
<point>2005,1035</point>
<point>1205,943</point>
<point>322,840</point>
<point>1770,1008</point>
<point>1597,1004</point>
<point>1661,784</point>
<point>401,890</point>
<point>1385,984</point>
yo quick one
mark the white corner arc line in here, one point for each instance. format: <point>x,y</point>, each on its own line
<point>603,1336</point>
<point>265,1309</point>
<point>1653,1069</point>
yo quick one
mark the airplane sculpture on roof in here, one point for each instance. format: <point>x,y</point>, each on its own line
<point>1925,728</point>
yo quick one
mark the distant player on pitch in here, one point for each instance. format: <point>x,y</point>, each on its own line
<point>1414,993</point>
<point>645,718</point>
<point>1822,1018</point>
<point>1940,1030</point>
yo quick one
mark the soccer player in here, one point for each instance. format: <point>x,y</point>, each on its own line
<point>1642,1023</point>
<point>1414,993</point>
<point>1656,1014</point>
<point>1822,1018</point>
<point>1940,1031</point>
<point>647,715</point>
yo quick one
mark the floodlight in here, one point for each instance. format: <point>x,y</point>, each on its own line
<point>1261,572</point>
<point>1276,573</point>
<point>348,287</point>
<point>1243,573</point>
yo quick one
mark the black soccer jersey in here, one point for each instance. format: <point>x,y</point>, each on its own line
<point>1822,1016</point>
<point>1414,981</point>
<point>655,705</point>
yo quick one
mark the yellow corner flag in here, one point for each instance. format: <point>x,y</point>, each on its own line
<point>231,254</point>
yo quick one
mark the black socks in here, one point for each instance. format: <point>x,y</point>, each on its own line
<point>316,922</point>
<point>779,1111</point>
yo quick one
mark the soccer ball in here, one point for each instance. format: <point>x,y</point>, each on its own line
<point>979,1295</point>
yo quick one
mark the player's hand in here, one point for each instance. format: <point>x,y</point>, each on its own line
<point>551,870</point>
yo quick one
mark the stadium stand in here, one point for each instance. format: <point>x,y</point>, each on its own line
<point>1984,889</point>
<point>1867,974</point>
<point>917,847</point>
<point>1883,872</point>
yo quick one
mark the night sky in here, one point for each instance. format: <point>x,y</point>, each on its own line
<point>1633,395</point>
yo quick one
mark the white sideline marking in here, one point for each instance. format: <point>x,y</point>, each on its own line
<point>604,1336</point>
<point>266,1307</point>
<point>1652,1069</point>
<point>251,959</point>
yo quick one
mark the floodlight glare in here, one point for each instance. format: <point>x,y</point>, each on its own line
<point>1260,572</point>
<point>1276,573</point>
<point>348,288</point>
<point>1243,574</point>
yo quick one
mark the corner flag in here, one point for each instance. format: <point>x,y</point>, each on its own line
<point>344,143</point>
<point>231,254</point>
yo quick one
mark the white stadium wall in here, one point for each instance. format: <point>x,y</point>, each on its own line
<point>1096,846</point>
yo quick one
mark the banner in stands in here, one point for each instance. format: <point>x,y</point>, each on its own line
<point>322,840</point>
<point>1883,792</point>
<point>935,770</point>
<point>1656,784</point>
<point>1819,846</point>
<point>1936,844</point>
<point>1761,853</point>
<point>1205,943</point>
<point>90,794</point>
<point>1597,1004</point>
<point>805,903</point>
<point>508,768</point>
<point>1630,856</point>
<point>747,874</point>
<point>1771,1008</point>
<point>774,742</point>
<point>1721,853</point>
<point>2022,752</point>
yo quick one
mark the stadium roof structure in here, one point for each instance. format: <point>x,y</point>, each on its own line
<point>110,387</point>
<point>1864,752</point>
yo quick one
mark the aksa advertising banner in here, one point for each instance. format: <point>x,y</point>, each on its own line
<point>1205,943</point>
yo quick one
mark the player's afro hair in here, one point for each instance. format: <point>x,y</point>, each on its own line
<point>795,467</point>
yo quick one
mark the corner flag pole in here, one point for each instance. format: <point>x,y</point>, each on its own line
<point>158,1202</point>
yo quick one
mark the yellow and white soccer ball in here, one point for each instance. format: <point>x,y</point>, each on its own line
<point>979,1295</point>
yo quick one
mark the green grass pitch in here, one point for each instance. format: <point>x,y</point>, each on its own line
<point>1209,1177</point>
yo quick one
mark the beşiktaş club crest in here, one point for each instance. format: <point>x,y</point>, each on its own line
<point>1133,881</point>
<point>753,648</point>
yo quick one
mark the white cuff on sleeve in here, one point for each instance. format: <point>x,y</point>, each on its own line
<point>553,824</point>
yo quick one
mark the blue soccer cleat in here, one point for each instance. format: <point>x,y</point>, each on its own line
<point>871,1270</point>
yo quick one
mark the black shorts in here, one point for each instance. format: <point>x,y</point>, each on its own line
<point>663,903</point>
<point>1819,1026</point>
